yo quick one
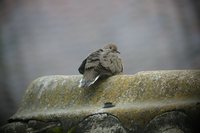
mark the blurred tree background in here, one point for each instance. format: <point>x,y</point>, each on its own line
<point>48,37</point>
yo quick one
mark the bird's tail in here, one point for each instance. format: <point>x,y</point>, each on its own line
<point>84,83</point>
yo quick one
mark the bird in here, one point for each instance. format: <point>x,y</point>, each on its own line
<point>102,63</point>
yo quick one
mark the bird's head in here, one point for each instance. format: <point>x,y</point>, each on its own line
<point>112,47</point>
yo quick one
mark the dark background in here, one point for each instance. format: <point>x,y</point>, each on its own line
<point>48,37</point>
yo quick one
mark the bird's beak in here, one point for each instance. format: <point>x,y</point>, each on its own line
<point>118,52</point>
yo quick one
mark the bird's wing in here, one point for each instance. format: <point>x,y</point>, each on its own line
<point>91,61</point>
<point>111,62</point>
<point>88,69</point>
<point>81,69</point>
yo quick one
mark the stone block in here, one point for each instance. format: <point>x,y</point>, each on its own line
<point>135,99</point>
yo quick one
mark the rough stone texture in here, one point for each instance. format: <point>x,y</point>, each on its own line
<point>15,127</point>
<point>100,123</point>
<point>32,126</point>
<point>169,122</point>
<point>137,98</point>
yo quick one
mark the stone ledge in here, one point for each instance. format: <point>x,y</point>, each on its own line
<point>137,98</point>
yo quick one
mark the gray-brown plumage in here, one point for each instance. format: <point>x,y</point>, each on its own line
<point>101,63</point>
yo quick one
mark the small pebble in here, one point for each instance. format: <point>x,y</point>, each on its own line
<point>108,105</point>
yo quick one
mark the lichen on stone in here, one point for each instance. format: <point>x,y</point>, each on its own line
<point>138,97</point>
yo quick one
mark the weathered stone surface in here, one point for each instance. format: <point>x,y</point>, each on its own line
<point>100,123</point>
<point>170,122</point>
<point>137,98</point>
<point>32,126</point>
<point>15,127</point>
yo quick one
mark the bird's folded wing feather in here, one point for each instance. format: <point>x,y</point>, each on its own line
<point>81,69</point>
<point>91,61</point>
